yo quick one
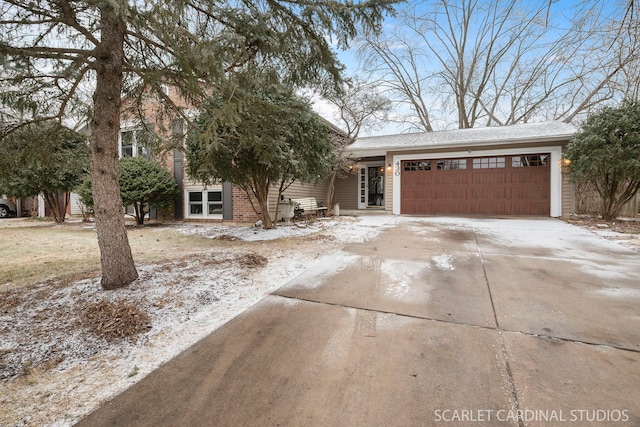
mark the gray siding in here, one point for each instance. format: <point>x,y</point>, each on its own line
<point>568,199</point>
<point>346,192</point>
<point>299,191</point>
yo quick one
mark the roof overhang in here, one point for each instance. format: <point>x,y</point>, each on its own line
<point>549,133</point>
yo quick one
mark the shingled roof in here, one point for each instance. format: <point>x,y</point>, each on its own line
<point>514,134</point>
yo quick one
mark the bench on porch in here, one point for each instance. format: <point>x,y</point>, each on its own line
<point>309,206</point>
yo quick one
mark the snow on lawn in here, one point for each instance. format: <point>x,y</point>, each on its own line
<point>60,350</point>
<point>344,229</point>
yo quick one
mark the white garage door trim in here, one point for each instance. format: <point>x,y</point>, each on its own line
<point>555,164</point>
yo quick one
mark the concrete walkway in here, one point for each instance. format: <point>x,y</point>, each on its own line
<point>437,321</point>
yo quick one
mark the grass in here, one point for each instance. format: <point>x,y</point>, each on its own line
<point>33,252</point>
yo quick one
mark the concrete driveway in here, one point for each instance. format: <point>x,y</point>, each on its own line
<point>437,321</point>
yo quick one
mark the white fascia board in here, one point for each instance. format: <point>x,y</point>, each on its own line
<point>381,150</point>
<point>359,154</point>
<point>555,165</point>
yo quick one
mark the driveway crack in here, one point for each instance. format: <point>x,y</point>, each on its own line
<point>505,356</point>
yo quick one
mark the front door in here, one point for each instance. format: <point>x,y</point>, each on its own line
<point>371,182</point>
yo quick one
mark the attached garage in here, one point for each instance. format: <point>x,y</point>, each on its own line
<point>508,170</point>
<point>505,185</point>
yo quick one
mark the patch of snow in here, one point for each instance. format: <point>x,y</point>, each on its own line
<point>443,262</point>
<point>326,266</point>
<point>399,275</point>
<point>358,228</point>
<point>622,293</point>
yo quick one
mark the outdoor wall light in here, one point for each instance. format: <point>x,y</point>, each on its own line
<point>389,167</point>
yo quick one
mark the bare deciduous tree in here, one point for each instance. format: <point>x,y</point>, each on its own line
<point>471,63</point>
<point>359,106</point>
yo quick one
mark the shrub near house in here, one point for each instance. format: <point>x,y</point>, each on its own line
<point>144,183</point>
<point>606,153</point>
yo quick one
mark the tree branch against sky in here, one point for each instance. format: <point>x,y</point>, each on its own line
<point>469,63</point>
<point>51,49</point>
<point>360,106</point>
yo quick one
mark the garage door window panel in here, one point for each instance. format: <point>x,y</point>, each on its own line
<point>531,160</point>
<point>452,164</point>
<point>415,166</point>
<point>489,163</point>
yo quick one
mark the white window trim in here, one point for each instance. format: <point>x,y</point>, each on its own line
<point>555,164</point>
<point>205,210</point>
<point>366,165</point>
<point>129,127</point>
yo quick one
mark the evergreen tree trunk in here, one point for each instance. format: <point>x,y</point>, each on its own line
<point>140,213</point>
<point>52,201</point>
<point>66,196</point>
<point>118,268</point>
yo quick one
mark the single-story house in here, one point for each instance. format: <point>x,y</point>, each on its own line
<point>508,170</point>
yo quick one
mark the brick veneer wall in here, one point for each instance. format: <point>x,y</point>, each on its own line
<point>242,210</point>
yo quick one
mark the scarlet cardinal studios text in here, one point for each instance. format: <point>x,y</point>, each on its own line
<point>529,415</point>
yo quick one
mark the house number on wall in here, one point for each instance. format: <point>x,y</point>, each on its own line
<point>397,166</point>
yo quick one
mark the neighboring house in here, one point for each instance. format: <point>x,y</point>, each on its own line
<point>509,170</point>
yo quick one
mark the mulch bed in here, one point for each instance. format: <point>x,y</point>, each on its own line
<point>620,225</point>
<point>114,320</point>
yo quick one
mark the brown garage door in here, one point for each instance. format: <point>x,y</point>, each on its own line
<point>501,185</point>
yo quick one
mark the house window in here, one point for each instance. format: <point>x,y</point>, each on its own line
<point>195,203</point>
<point>489,163</point>
<point>127,144</point>
<point>205,203</point>
<point>214,199</point>
<point>529,160</point>
<point>137,142</point>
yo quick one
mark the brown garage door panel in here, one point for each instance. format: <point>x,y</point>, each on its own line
<point>529,176</point>
<point>488,207</point>
<point>528,208</point>
<point>451,177</point>
<point>532,192</point>
<point>488,192</point>
<point>450,192</point>
<point>505,186</point>
<point>488,177</point>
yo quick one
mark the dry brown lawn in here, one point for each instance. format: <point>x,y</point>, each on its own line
<point>33,251</point>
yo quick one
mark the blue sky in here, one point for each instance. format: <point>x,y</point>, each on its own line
<point>560,13</point>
